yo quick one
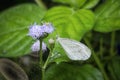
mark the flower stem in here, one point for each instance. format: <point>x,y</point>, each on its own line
<point>43,65</point>
<point>41,60</point>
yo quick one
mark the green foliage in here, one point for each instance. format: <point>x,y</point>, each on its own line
<point>73,20</point>
<point>14,29</point>
<point>87,4</point>
<point>70,23</point>
<point>58,54</point>
<point>108,16</point>
<point>73,3</point>
<point>90,4</point>
<point>66,71</point>
<point>114,68</point>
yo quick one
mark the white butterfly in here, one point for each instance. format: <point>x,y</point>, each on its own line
<point>74,49</point>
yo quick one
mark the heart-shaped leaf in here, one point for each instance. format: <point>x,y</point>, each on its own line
<point>66,71</point>
<point>69,22</point>
<point>14,29</point>
<point>108,16</point>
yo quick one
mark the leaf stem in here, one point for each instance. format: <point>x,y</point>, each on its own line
<point>97,60</point>
<point>41,4</point>
<point>112,44</point>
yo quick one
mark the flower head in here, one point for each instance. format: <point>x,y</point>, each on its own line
<point>47,27</point>
<point>38,31</point>
<point>35,31</point>
<point>36,46</point>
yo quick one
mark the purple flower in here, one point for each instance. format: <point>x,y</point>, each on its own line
<point>35,31</point>
<point>38,31</point>
<point>48,27</point>
<point>36,46</point>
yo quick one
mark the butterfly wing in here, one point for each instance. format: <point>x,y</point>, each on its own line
<point>74,49</point>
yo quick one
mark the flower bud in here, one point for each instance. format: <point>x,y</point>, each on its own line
<point>51,41</point>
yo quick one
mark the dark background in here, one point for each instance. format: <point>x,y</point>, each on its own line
<point>4,4</point>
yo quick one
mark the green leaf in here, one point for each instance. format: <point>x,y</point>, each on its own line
<point>73,3</point>
<point>58,54</point>
<point>70,23</point>
<point>108,16</point>
<point>14,26</point>
<point>114,68</point>
<point>67,71</point>
<point>90,4</point>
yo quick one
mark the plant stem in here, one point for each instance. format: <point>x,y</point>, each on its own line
<point>41,60</point>
<point>101,47</point>
<point>44,65</point>
<point>41,4</point>
<point>43,72</point>
<point>47,61</point>
<point>112,44</point>
<point>97,60</point>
